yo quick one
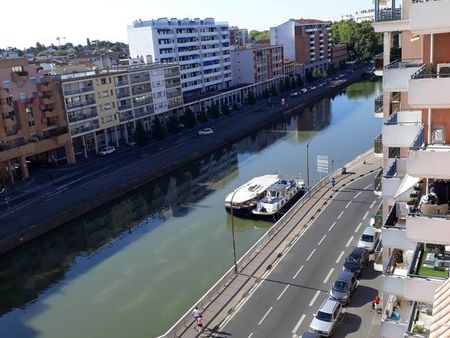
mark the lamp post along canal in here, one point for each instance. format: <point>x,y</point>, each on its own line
<point>232,231</point>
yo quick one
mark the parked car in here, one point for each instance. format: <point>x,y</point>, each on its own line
<point>304,90</point>
<point>205,131</point>
<point>131,143</point>
<point>356,261</point>
<point>343,287</point>
<point>369,239</point>
<point>294,94</point>
<point>327,319</point>
<point>107,151</point>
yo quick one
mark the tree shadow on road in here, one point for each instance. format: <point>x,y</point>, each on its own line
<point>369,272</point>
<point>351,323</point>
<point>362,296</point>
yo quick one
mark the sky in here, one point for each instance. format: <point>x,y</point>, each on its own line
<point>76,20</point>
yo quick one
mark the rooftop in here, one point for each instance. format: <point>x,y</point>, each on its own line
<point>310,21</point>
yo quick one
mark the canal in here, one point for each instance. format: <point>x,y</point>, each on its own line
<point>133,267</point>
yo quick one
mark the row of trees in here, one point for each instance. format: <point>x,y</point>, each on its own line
<point>360,38</point>
<point>258,35</point>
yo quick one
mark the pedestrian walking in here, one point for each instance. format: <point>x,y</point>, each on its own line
<point>333,182</point>
<point>197,318</point>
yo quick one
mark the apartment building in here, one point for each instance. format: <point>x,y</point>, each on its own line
<point>415,180</point>
<point>202,47</point>
<point>361,16</point>
<point>33,127</point>
<point>103,106</point>
<point>338,54</point>
<point>307,42</point>
<point>238,36</point>
<point>256,63</point>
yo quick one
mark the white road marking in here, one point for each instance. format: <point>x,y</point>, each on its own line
<point>311,303</point>
<point>368,186</point>
<point>349,241</point>
<point>340,256</point>
<point>365,215</point>
<point>340,214</point>
<point>328,276</point>
<point>359,226</point>
<point>320,242</point>
<point>373,203</point>
<point>296,274</point>
<point>264,317</point>
<point>297,326</point>
<point>356,196</point>
<point>310,255</point>
<point>332,225</point>
<point>250,335</point>
<point>348,204</point>
<point>282,293</point>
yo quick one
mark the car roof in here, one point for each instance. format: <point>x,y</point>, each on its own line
<point>345,276</point>
<point>357,251</point>
<point>369,231</point>
<point>328,306</point>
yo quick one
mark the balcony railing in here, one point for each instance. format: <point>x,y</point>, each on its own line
<point>378,217</point>
<point>388,14</point>
<point>392,170</point>
<point>405,63</point>
<point>121,83</point>
<point>379,102</point>
<point>124,107</point>
<point>418,141</point>
<point>377,187</point>
<point>80,104</point>
<point>378,144</point>
<point>420,320</point>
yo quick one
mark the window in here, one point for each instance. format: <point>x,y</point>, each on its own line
<point>30,123</point>
<point>17,69</point>
<point>22,96</point>
<point>29,111</point>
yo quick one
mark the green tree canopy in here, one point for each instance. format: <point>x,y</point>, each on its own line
<point>258,35</point>
<point>140,134</point>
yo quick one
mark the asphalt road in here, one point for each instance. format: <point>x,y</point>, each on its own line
<point>284,302</point>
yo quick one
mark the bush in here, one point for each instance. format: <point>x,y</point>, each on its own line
<point>173,125</point>
<point>202,117</point>
<point>251,98</point>
<point>140,134</point>
<point>225,110</point>
<point>214,111</point>
<point>189,118</point>
<point>158,129</point>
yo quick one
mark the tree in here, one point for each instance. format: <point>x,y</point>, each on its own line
<point>88,42</point>
<point>317,74</point>
<point>266,94</point>
<point>225,110</point>
<point>331,69</point>
<point>258,35</point>
<point>251,98</point>
<point>214,111</point>
<point>299,81</point>
<point>202,117</point>
<point>273,90</point>
<point>158,129</point>
<point>140,134</point>
<point>173,125</point>
<point>309,76</point>
<point>189,118</point>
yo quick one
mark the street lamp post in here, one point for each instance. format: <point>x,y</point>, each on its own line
<point>307,163</point>
<point>232,232</point>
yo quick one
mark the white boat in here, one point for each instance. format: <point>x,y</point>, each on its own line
<point>244,199</point>
<point>279,195</point>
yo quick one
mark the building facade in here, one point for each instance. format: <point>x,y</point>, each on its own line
<point>361,16</point>
<point>202,47</point>
<point>338,54</point>
<point>33,127</point>
<point>306,42</point>
<point>103,106</point>
<point>238,36</point>
<point>415,180</point>
<point>256,63</point>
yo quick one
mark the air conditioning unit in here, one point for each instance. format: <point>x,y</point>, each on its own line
<point>443,69</point>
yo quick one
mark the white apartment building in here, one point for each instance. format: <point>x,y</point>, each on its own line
<point>415,180</point>
<point>361,16</point>
<point>256,63</point>
<point>202,48</point>
<point>307,42</point>
<point>238,36</point>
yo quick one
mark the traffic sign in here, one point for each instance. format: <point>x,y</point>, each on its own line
<point>322,164</point>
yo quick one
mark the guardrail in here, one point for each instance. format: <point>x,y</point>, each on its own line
<point>186,319</point>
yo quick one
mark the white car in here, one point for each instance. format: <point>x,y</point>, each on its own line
<point>294,94</point>
<point>205,131</point>
<point>107,151</point>
<point>369,239</point>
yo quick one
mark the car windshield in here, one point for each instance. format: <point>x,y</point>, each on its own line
<point>326,317</point>
<point>367,238</point>
<point>353,259</point>
<point>340,286</point>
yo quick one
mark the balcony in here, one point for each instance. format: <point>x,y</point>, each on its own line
<point>378,146</point>
<point>422,11</point>
<point>394,177</point>
<point>430,161</point>
<point>79,104</point>
<point>50,113</point>
<point>377,188</point>
<point>429,87</point>
<point>396,315</point>
<point>397,74</point>
<point>393,231</point>
<point>420,321</point>
<point>401,128</point>
<point>379,64</point>
<point>121,83</point>
<point>46,101</point>
<point>45,86</point>
<point>124,107</point>
<point>379,107</point>
<point>390,16</point>
<point>19,76</point>
<point>378,217</point>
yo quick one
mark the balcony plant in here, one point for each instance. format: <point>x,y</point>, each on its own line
<point>398,256</point>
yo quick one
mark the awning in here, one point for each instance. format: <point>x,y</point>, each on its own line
<point>407,183</point>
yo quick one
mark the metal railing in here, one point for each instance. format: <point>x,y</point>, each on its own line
<point>418,141</point>
<point>378,217</point>
<point>186,319</point>
<point>388,14</point>
<point>378,144</point>
<point>430,71</point>
<point>379,102</point>
<point>377,185</point>
<point>405,63</point>
<point>392,119</point>
<point>392,169</point>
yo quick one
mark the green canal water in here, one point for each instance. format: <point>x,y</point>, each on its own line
<point>133,267</point>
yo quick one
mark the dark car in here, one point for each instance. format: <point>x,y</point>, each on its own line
<point>356,261</point>
<point>343,286</point>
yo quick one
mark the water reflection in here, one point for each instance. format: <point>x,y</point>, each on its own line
<point>188,201</point>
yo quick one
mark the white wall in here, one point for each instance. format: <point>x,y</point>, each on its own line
<point>284,34</point>
<point>140,42</point>
<point>242,69</point>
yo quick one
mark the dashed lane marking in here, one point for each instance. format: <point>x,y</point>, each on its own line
<point>342,212</point>
<point>373,203</point>
<point>340,256</point>
<point>311,303</point>
<point>332,225</point>
<point>328,276</point>
<point>349,241</point>
<point>358,227</point>
<point>365,215</point>
<point>320,242</point>
<point>297,326</point>
<point>356,196</point>
<point>348,204</point>
<point>282,292</point>
<point>310,255</point>
<point>296,274</point>
<point>264,317</point>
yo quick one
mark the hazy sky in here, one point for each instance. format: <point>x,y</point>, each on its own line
<point>29,21</point>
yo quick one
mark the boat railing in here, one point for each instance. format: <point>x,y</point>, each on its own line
<point>202,303</point>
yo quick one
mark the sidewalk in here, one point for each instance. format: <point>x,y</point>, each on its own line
<point>225,302</point>
<point>69,196</point>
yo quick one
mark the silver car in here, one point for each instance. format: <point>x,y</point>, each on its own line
<point>343,287</point>
<point>327,319</point>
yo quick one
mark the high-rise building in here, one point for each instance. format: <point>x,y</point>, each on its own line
<point>256,63</point>
<point>202,47</point>
<point>415,180</point>
<point>103,106</point>
<point>238,36</point>
<point>307,42</point>
<point>33,127</point>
